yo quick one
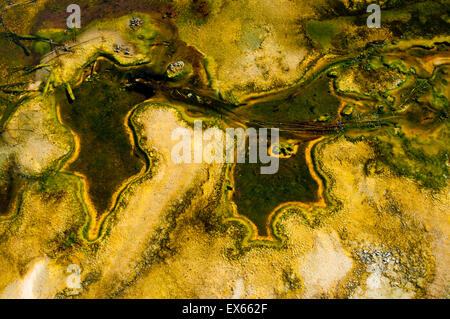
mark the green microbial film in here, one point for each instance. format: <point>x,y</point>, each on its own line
<point>99,117</point>
<point>314,102</point>
<point>256,195</point>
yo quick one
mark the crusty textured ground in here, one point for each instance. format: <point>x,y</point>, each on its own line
<point>387,238</point>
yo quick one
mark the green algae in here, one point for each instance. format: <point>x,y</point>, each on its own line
<point>407,158</point>
<point>309,103</point>
<point>98,116</point>
<point>323,32</point>
<point>292,183</point>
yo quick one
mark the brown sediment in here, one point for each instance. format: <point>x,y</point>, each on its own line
<point>9,200</point>
<point>102,10</point>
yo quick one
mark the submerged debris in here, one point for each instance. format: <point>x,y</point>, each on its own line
<point>117,48</point>
<point>135,22</point>
<point>175,69</point>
